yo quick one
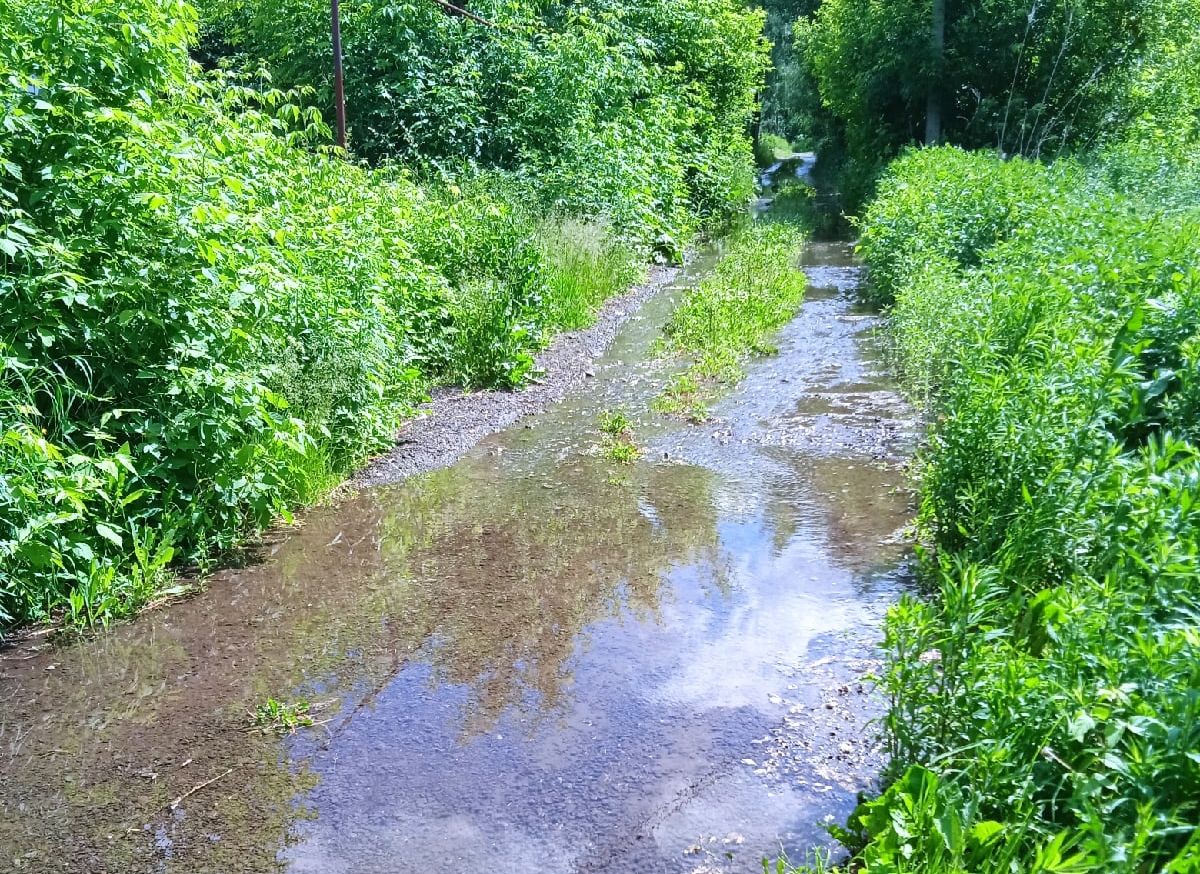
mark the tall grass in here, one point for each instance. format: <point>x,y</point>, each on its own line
<point>1044,713</point>
<point>585,265</point>
<point>755,289</point>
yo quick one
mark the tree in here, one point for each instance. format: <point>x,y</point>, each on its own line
<point>1029,77</point>
<point>933,106</point>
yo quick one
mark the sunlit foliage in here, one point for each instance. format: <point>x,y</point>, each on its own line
<point>1027,77</point>
<point>1044,714</point>
<point>635,110</point>
<point>207,317</point>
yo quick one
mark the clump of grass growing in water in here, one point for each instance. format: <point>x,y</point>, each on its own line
<point>681,397</point>
<point>281,717</point>
<point>816,862</point>
<point>623,451</point>
<point>619,445</point>
<point>755,289</point>
<point>615,423</point>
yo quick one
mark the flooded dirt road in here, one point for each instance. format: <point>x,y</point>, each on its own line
<point>536,660</point>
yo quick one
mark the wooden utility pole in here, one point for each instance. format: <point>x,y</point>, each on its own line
<point>933,104</point>
<point>339,86</point>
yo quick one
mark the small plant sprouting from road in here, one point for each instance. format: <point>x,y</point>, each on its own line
<point>681,397</point>
<point>623,451</point>
<point>615,423</point>
<point>618,437</point>
<point>281,717</point>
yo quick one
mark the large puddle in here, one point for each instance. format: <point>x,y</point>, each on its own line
<point>537,660</point>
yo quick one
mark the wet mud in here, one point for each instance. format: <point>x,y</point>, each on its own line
<point>536,659</point>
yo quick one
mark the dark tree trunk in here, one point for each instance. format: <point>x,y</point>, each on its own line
<point>933,104</point>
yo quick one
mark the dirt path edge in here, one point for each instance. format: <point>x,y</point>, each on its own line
<point>454,420</point>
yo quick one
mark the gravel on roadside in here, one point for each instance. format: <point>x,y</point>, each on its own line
<point>454,420</point>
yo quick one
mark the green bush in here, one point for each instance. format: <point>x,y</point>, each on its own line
<point>945,203</point>
<point>1043,699</point>
<point>769,148</point>
<point>189,340</point>
<point>632,113</point>
<point>1032,79</point>
<point>207,319</point>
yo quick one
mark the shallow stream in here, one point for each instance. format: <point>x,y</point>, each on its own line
<point>536,660</point>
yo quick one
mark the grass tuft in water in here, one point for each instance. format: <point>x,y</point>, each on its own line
<point>615,423</point>
<point>816,862</point>
<point>281,717</point>
<point>618,444</point>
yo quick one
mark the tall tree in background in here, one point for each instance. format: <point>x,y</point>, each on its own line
<point>933,104</point>
<point>1028,77</point>
<point>789,100</point>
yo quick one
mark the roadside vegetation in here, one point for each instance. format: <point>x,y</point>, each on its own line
<point>1043,294</point>
<point>1043,696</point>
<point>860,80</point>
<point>636,111</point>
<point>210,316</point>
<point>769,148</point>
<point>754,290</point>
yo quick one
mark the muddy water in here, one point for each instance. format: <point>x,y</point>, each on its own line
<point>536,660</point>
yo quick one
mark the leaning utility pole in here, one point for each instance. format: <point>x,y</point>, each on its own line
<point>339,87</point>
<point>933,104</point>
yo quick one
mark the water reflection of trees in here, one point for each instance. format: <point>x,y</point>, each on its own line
<point>857,505</point>
<point>503,577</point>
<point>491,578</point>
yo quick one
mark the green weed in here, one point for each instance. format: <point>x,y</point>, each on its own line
<point>755,289</point>
<point>618,443</point>
<point>622,451</point>
<point>682,397</point>
<point>817,862</point>
<point>615,423</point>
<point>281,717</point>
<point>1043,714</point>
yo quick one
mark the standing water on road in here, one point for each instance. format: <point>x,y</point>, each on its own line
<point>536,660</point>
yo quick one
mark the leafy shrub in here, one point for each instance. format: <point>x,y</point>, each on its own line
<point>769,148</point>
<point>205,320</point>
<point>945,204</point>
<point>634,113</point>
<point>1043,708</point>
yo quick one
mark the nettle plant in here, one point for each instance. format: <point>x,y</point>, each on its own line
<point>1043,714</point>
